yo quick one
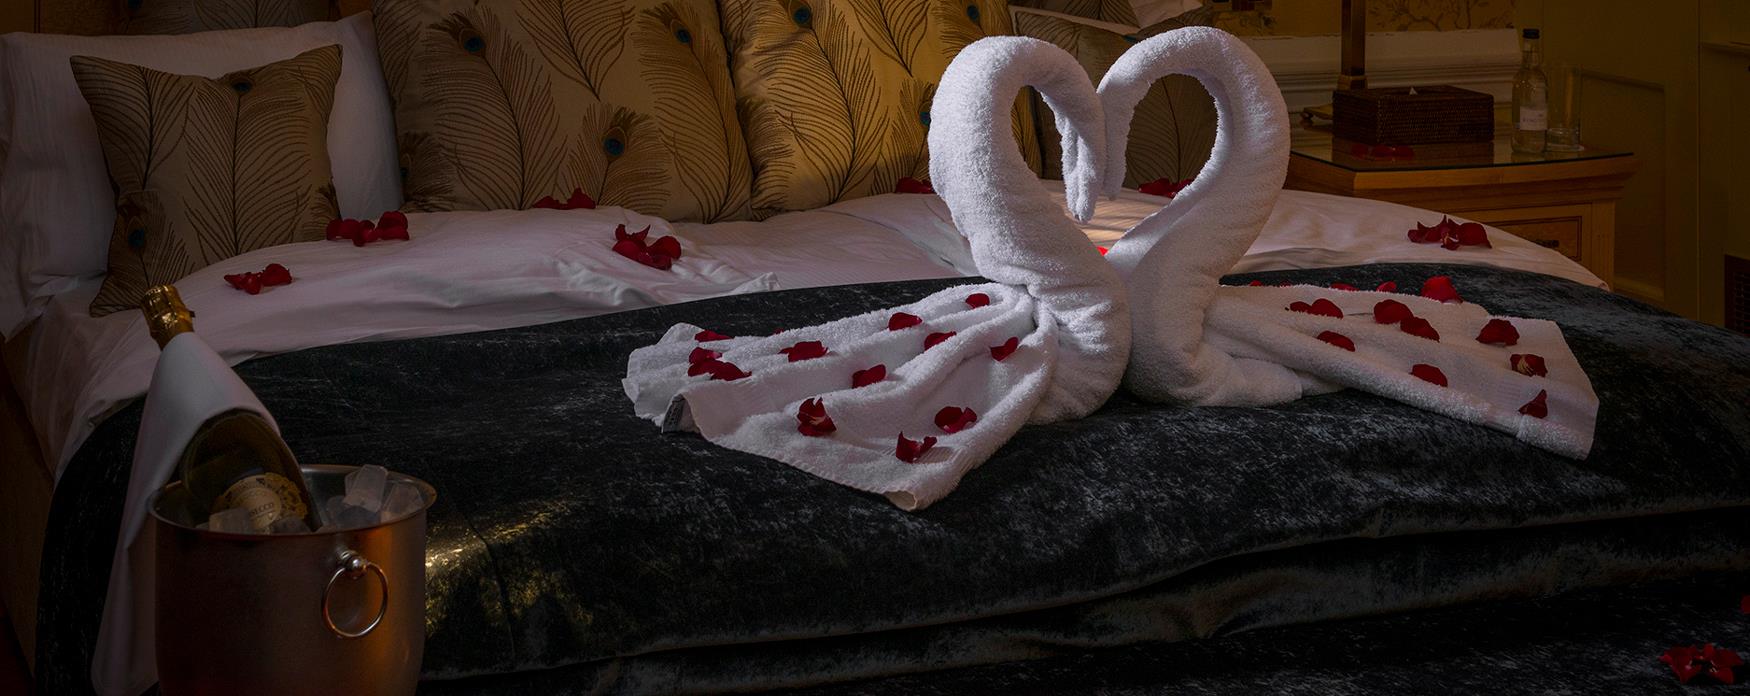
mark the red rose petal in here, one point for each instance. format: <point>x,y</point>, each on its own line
<point>953,419</point>
<point>549,202</point>
<point>703,367</point>
<point>1528,364</point>
<point>1255,284</point>
<point>364,233</point>
<point>1682,662</point>
<point>727,372</point>
<point>1391,312</point>
<point>666,246</point>
<point>1451,244</point>
<point>804,350</point>
<point>1008,348</point>
<point>275,274</point>
<point>909,451</point>
<point>252,283</point>
<point>1472,234</point>
<point>931,340</point>
<point>977,299</point>
<point>907,184</point>
<point>1425,235</point>
<point>811,419</point>
<point>708,335</point>
<point>235,280</point>
<point>702,354</point>
<point>1441,288</point>
<point>1164,187</point>
<point>338,229</point>
<point>1103,250</point>
<point>1321,307</point>
<point>1417,326</point>
<point>1338,340</point>
<point>392,218</point>
<point>1499,332</point>
<point>1429,373</point>
<point>864,378</point>
<point>1538,406</point>
<point>578,200</point>
<point>1387,286</point>
<point>1343,286</point>
<point>901,320</point>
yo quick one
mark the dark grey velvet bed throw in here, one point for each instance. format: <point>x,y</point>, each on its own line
<point>569,533</point>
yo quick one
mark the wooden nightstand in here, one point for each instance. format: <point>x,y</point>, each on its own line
<point>1565,201</point>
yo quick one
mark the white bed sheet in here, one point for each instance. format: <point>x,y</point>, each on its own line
<point>465,272</point>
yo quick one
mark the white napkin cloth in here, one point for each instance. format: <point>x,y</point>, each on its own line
<point>190,386</point>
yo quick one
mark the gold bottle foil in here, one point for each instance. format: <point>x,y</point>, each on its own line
<point>166,316</point>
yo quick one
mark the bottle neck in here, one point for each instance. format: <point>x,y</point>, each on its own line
<point>166,316</point>
<point>1530,54</point>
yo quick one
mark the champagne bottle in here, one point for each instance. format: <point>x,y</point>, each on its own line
<point>1530,97</point>
<point>235,459</point>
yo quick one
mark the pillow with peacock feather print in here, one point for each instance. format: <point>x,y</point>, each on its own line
<point>205,169</point>
<point>1174,128</point>
<point>1135,13</point>
<point>500,103</point>
<point>835,94</point>
<point>190,16</point>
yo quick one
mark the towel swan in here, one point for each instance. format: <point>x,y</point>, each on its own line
<point>904,401</point>
<point>1202,343</point>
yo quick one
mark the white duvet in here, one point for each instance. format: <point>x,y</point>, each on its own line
<point>469,271</point>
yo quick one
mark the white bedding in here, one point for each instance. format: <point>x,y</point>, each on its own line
<point>463,272</point>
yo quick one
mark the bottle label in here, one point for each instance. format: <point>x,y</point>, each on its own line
<point>1533,119</point>
<point>266,497</point>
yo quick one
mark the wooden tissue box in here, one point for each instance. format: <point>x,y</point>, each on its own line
<point>1395,116</point>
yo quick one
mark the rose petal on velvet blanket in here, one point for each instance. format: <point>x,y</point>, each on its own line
<point>1499,332</point>
<point>1472,234</point>
<point>1387,286</point>
<point>811,419</point>
<point>1428,373</point>
<point>1344,287</point>
<point>1441,288</point>
<point>708,335</point>
<point>702,354</point>
<point>953,419</point>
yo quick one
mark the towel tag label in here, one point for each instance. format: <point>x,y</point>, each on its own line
<point>678,418</point>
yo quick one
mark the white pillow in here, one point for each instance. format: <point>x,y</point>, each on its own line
<point>56,205</point>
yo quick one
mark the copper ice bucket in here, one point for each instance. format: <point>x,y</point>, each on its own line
<point>320,613</point>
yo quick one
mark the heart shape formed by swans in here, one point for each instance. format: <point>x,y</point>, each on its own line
<point>1199,342</point>
<point>1046,340</point>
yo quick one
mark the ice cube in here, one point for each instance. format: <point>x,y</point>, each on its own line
<point>364,487</point>
<point>354,517</point>
<point>232,520</point>
<point>289,525</point>
<point>404,498</point>
<point>331,509</point>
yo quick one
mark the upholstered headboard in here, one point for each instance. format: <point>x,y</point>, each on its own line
<point>91,17</point>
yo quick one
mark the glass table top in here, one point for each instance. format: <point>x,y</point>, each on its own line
<point>1316,142</point>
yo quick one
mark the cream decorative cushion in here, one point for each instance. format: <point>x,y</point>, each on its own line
<point>499,103</point>
<point>835,94</point>
<point>1174,128</point>
<point>206,169</point>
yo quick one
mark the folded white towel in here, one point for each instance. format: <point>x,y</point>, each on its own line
<point>1202,343</point>
<point>190,386</point>
<point>965,367</point>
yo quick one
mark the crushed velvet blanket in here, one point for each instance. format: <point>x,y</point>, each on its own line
<point>571,541</point>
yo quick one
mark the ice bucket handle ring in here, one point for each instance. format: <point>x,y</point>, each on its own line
<point>353,566</point>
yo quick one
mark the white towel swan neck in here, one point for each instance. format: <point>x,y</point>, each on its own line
<point>1052,293</point>
<point>1202,343</point>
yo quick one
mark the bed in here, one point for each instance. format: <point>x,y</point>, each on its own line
<point>587,550</point>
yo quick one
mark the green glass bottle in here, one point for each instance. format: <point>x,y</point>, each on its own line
<point>235,459</point>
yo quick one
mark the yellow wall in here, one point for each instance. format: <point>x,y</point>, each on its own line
<point>1316,17</point>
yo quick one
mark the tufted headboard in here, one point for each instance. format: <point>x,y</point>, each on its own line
<point>91,17</point>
